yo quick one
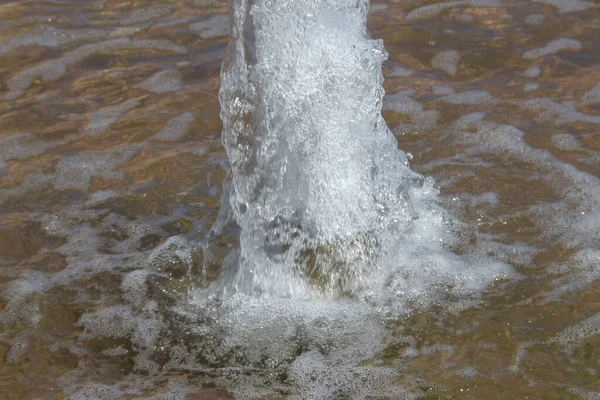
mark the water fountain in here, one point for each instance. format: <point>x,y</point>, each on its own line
<point>336,233</point>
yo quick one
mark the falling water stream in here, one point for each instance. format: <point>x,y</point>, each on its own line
<point>201,200</point>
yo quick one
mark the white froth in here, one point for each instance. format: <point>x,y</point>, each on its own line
<point>115,351</point>
<point>535,19</point>
<point>377,7</point>
<point>134,287</point>
<point>401,72</point>
<point>586,394</point>
<point>198,151</point>
<point>315,378</point>
<point>553,47</point>
<point>470,97</point>
<point>50,36</point>
<point>442,90</point>
<point>101,120</point>
<point>533,72</point>
<point>566,142</point>
<point>573,221</point>
<point>21,314</point>
<point>97,391</point>
<point>140,15</point>
<point>76,172</point>
<point>213,27</point>
<point>173,22</point>
<point>467,372</point>
<point>565,6</point>
<point>421,119</point>
<point>20,146</point>
<point>465,17</point>
<point>556,113</point>
<point>176,127</point>
<point>51,70</point>
<point>576,334</point>
<point>592,96</point>
<point>447,61</point>
<point>529,87</point>
<point>432,10</point>
<point>110,322</point>
<point>582,269</point>
<point>163,82</point>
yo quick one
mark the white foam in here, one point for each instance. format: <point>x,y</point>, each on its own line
<point>585,394</point>
<point>592,96</point>
<point>176,127</point>
<point>140,15</point>
<point>466,17</point>
<point>467,372</point>
<point>535,19</point>
<point>198,151</point>
<point>533,72</point>
<point>565,6</point>
<point>566,142</point>
<point>21,314</point>
<point>401,72</point>
<point>50,36</point>
<point>442,90</point>
<point>31,20</point>
<point>101,120</point>
<point>76,172</point>
<point>53,69</point>
<point>576,334</point>
<point>173,22</point>
<point>582,269</point>
<point>420,119</point>
<point>529,87</point>
<point>115,351</point>
<point>97,391</point>
<point>377,7</point>
<point>470,97</point>
<point>553,47</point>
<point>213,27</point>
<point>134,287</point>
<point>555,113</point>
<point>315,378</point>
<point>572,222</point>
<point>163,82</point>
<point>21,146</point>
<point>430,11</point>
<point>447,61</point>
<point>110,322</point>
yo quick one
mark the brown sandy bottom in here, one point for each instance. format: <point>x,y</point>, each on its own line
<point>111,175</point>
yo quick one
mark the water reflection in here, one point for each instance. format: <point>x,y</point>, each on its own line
<point>111,172</point>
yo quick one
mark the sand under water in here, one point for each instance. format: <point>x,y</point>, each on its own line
<point>150,250</point>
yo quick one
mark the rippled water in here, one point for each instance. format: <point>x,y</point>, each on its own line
<point>111,173</point>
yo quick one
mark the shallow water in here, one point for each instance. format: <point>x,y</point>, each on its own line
<point>111,172</point>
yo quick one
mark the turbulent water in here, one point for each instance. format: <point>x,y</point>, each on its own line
<point>324,199</point>
<point>172,228</point>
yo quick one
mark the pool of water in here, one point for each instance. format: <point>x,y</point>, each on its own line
<point>111,178</point>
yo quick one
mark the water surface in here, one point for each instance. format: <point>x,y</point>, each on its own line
<point>111,172</point>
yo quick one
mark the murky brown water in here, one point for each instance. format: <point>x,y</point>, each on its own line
<point>110,145</point>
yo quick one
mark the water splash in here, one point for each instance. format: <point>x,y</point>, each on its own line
<point>336,232</point>
<point>319,187</point>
